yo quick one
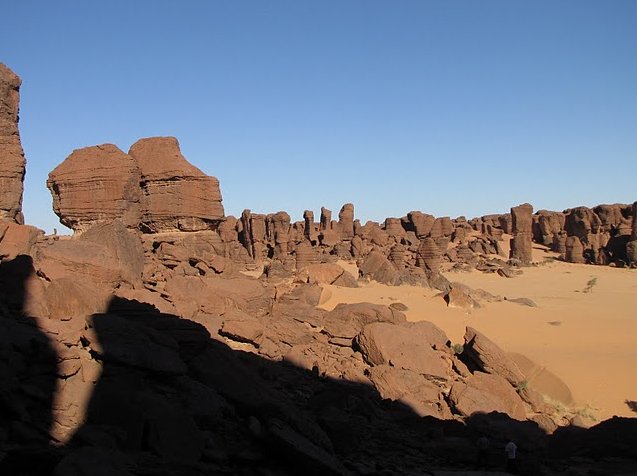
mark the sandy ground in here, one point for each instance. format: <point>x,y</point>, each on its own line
<point>588,339</point>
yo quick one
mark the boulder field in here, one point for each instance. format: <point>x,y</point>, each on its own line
<point>143,345</point>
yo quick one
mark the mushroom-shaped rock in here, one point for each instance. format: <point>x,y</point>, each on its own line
<point>176,194</point>
<point>96,184</point>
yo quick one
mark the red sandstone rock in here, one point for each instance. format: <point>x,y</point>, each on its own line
<point>574,250</point>
<point>421,223</point>
<point>488,357</point>
<point>96,184</point>
<point>175,194</point>
<point>410,388</point>
<point>428,256</point>
<point>17,239</point>
<point>486,393</point>
<point>522,228</point>
<point>278,231</point>
<point>305,255</point>
<point>12,160</point>
<point>346,221</point>
<point>384,343</point>
<point>347,320</point>
<point>377,267</point>
<point>394,228</point>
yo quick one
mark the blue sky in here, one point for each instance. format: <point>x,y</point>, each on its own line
<point>450,107</point>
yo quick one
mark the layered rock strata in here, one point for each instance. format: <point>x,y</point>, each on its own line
<point>153,188</point>
<point>12,162</point>
<point>176,196</point>
<point>522,228</point>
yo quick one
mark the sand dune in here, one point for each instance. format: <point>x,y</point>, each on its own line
<point>588,339</point>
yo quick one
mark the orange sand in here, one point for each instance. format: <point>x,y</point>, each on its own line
<point>589,340</point>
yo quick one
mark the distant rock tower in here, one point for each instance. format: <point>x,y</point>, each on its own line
<point>522,228</point>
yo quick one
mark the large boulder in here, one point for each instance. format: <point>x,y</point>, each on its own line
<point>96,184</point>
<point>423,396</point>
<point>176,195</point>
<point>377,267</point>
<point>486,393</point>
<point>106,256</point>
<point>17,239</point>
<point>401,347</point>
<point>12,160</point>
<point>345,321</point>
<point>483,354</point>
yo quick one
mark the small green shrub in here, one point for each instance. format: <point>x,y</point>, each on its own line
<point>457,348</point>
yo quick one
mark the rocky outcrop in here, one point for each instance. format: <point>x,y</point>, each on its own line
<point>12,162</point>
<point>153,188</point>
<point>176,196</point>
<point>96,185</point>
<point>428,256</point>
<point>346,221</point>
<point>522,229</point>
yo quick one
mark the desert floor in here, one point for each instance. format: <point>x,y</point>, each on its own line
<point>588,339</point>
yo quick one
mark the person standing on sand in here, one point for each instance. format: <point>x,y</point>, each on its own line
<point>511,463</point>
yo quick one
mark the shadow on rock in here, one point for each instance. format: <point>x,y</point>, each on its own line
<point>28,372</point>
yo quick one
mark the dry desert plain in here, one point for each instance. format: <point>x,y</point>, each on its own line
<point>587,339</point>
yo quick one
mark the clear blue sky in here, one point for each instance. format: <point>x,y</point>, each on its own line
<point>450,107</point>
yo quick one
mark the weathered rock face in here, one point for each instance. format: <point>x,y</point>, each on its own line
<point>96,184</point>
<point>522,227</point>
<point>428,255</point>
<point>420,223</point>
<point>547,225</point>
<point>278,231</point>
<point>152,188</point>
<point>346,221</point>
<point>176,195</point>
<point>12,162</point>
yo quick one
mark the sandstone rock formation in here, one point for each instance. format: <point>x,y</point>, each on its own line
<point>153,352</point>
<point>153,188</point>
<point>346,221</point>
<point>12,162</point>
<point>522,229</point>
<point>95,185</point>
<point>175,194</point>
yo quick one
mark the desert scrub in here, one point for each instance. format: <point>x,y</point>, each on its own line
<point>589,285</point>
<point>457,348</point>
<point>522,385</point>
